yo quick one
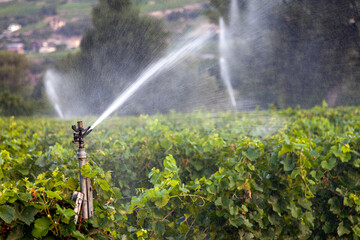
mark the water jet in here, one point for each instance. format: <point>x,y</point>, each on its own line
<point>50,87</point>
<point>225,51</point>
<point>164,63</point>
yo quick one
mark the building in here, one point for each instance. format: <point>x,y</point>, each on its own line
<point>70,42</point>
<point>56,23</point>
<point>46,48</point>
<point>13,27</point>
<point>16,47</point>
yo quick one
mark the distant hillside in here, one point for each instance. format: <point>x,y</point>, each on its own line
<point>51,28</point>
<point>156,5</point>
<point>31,12</point>
<point>47,30</point>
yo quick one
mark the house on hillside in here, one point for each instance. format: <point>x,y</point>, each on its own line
<point>187,11</point>
<point>56,23</point>
<point>16,47</point>
<point>13,27</point>
<point>69,42</point>
<point>47,48</point>
<point>73,42</point>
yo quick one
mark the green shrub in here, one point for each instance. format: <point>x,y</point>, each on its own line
<point>12,104</point>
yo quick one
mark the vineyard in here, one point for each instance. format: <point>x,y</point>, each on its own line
<point>276,174</point>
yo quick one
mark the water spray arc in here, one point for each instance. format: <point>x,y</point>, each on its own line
<point>164,63</point>
<point>225,50</point>
<point>85,197</point>
<point>52,94</point>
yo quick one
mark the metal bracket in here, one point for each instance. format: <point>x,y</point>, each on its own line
<point>78,197</point>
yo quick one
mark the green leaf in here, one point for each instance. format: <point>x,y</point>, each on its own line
<point>39,205</point>
<point>356,229</point>
<point>51,194</point>
<point>183,228</point>
<point>251,167</point>
<point>288,163</point>
<point>78,235</point>
<point>309,217</point>
<point>305,232</point>
<point>117,193</point>
<point>103,184</point>
<point>218,201</point>
<point>329,164</point>
<point>197,164</point>
<point>2,175</point>
<point>286,148</point>
<point>7,213</point>
<point>357,163</point>
<point>72,184</point>
<point>246,222</point>
<point>346,148</point>
<point>87,171</point>
<point>211,189</point>
<point>170,164</point>
<point>40,161</point>
<point>235,222</point>
<point>274,219</point>
<point>244,208</point>
<point>233,210</point>
<point>251,154</point>
<point>16,233</point>
<point>159,228</point>
<point>295,173</point>
<point>41,227</point>
<point>315,154</point>
<point>334,205</point>
<point>295,211</point>
<point>28,214</point>
<point>162,201</point>
<point>277,204</point>
<point>305,203</point>
<point>342,230</point>
<point>67,229</point>
<point>328,227</point>
<point>24,197</point>
<point>166,144</point>
<point>66,212</point>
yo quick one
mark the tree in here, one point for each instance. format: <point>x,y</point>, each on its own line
<point>13,68</point>
<point>121,43</point>
<point>14,88</point>
<point>295,52</point>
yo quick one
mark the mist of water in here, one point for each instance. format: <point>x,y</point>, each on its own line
<point>50,85</point>
<point>225,74</point>
<point>164,63</point>
<point>234,14</point>
<point>224,49</point>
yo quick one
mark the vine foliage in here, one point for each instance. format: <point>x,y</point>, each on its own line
<point>290,174</point>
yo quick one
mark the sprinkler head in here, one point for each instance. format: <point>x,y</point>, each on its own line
<point>80,133</point>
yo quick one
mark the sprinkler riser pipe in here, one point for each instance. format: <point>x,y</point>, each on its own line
<point>85,182</point>
<point>85,186</point>
<point>81,154</point>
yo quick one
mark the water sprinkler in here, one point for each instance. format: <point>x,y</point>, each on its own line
<point>85,197</point>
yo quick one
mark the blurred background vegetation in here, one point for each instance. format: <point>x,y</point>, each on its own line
<point>288,53</point>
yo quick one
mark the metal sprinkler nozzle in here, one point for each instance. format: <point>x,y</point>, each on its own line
<point>85,197</point>
<point>80,133</point>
